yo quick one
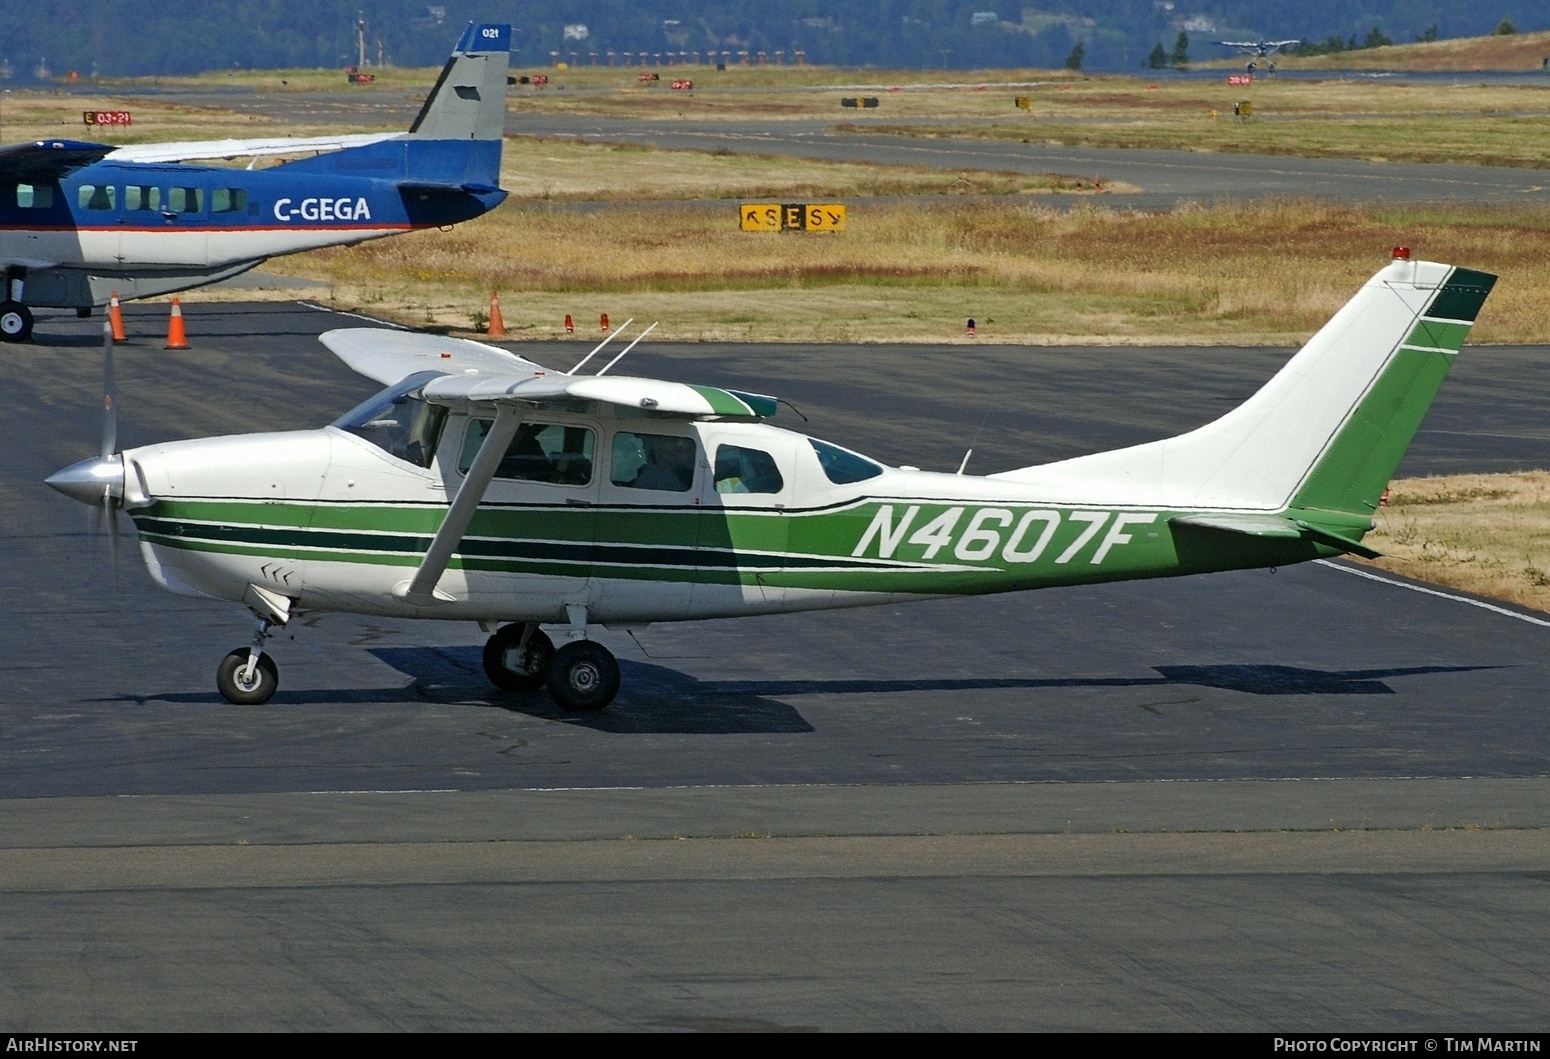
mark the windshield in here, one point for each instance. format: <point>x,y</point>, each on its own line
<point>842,466</point>
<point>399,421</point>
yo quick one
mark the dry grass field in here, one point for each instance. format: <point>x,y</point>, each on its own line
<point>1485,534</point>
<point>916,272</point>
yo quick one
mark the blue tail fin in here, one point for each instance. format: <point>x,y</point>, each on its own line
<point>455,142</point>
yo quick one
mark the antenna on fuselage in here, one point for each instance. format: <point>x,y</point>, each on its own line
<point>627,348</point>
<point>977,434</point>
<point>600,345</point>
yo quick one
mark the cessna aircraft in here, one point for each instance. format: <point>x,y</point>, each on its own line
<point>80,222</point>
<point>482,487</point>
<point>1259,48</point>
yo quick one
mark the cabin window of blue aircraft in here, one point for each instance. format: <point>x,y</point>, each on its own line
<point>399,421</point>
<point>541,452</point>
<point>185,200</point>
<point>141,197</point>
<point>841,466</point>
<point>652,461</point>
<point>742,470</point>
<point>34,196</point>
<point>97,196</point>
<point>228,200</point>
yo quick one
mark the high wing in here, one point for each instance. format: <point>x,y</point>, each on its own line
<point>474,371</point>
<point>509,385</point>
<point>49,159</point>
<point>197,150</point>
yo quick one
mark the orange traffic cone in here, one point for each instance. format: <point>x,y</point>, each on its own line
<point>497,328</point>
<point>570,327</point>
<point>176,339</point>
<point>605,321</point>
<point>116,318</point>
<point>971,327</point>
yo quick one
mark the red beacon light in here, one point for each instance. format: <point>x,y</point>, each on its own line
<point>1401,253</point>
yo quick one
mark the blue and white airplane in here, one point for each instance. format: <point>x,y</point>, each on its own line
<point>82,221</point>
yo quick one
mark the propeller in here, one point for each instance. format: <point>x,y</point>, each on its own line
<point>99,482</point>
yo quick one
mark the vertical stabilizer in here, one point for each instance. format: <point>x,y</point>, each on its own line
<point>469,100</point>
<point>1327,432</point>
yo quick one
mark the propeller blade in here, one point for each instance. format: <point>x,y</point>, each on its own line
<point>109,394</point>
<point>113,541</point>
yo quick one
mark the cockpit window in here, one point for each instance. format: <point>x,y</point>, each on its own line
<point>843,466</point>
<point>399,421</point>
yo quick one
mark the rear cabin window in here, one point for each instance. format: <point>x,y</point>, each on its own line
<point>740,470</point>
<point>662,462</point>
<point>228,200</point>
<point>399,421</point>
<point>34,196</point>
<point>97,196</point>
<point>541,452</point>
<point>185,200</point>
<point>141,197</point>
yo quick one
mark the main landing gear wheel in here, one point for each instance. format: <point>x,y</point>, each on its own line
<point>510,665</point>
<point>583,676</point>
<point>241,687</point>
<point>15,322</point>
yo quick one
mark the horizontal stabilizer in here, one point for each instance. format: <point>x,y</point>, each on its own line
<point>1253,525</point>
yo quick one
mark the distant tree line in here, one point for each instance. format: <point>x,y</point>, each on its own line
<point>135,38</point>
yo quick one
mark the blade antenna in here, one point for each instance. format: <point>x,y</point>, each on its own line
<point>600,345</point>
<point>626,349</point>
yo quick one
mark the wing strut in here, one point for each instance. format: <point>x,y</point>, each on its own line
<point>421,590</point>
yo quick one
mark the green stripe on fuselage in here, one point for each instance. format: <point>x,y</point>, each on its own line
<point>901,546</point>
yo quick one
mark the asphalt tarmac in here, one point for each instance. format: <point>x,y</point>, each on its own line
<point>1291,800</point>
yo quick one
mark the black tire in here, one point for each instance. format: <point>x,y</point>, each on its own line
<point>266,678</point>
<point>15,322</point>
<point>509,672</point>
<point>583,676</point>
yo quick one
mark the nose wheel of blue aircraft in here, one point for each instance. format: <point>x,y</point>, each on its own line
<point>15,322</point>
<point>517,657</point>
<point>584,676</point>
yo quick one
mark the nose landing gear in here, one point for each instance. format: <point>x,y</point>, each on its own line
<point>247,676</point>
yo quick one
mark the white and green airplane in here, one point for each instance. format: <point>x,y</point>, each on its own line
<point>482,487</point>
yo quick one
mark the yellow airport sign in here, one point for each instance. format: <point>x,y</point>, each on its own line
<point>792,216</point>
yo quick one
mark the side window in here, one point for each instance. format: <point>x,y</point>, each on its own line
<point>142,197</point>
<point>97,196</point>
<point>652,461</point>
<point>228,200</point>
<point>184,200</point>
<point>34,196</point>
<point>541,452</point>
<point>740,470</point>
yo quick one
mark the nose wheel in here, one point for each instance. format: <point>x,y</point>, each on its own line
<point>15,322</point>
<point>247,681</point>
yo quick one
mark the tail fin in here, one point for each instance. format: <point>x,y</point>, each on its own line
<point>449,162</point>
<point>469,100</point>
<point>1327,432</point>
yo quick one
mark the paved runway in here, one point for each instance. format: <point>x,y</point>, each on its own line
<point>1299,800</point>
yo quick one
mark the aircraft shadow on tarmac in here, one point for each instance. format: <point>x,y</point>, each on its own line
<point>659,700</point>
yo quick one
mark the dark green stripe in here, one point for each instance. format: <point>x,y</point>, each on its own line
<point>1462,296</point>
